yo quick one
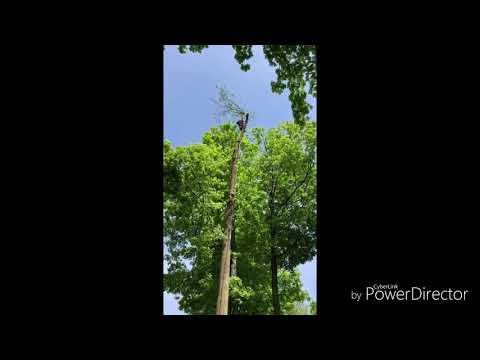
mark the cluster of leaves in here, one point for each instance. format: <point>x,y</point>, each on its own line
<point>193,217</point>
<point>195,195</point>
<point>287,171</point>
<point>295,67</point>
<point>193,48</point>
<point>303,308</point>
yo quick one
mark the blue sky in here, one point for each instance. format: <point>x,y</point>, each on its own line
<point>190,82</point>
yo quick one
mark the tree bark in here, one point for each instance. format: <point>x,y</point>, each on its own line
<point>233,247</point>
<point>233,308</point>
<point>224,281</point>
<point>275,297</point>
<point>273,251</point>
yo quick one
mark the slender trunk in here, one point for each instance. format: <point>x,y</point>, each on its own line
<point>273,254</point>
<point>233,270</point>
<point>275,297</point>
<point>224,282</point>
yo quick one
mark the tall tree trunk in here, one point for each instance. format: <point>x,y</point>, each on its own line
<point>232,307</point>
<point>274,266</point>
<point>224,282</point>
<point>233,270</point>
<point>273,252</point>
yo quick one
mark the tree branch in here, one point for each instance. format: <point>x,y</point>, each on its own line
<point>310,166</point>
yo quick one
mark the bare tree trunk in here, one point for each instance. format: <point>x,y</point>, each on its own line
<point>224,282</point>
<point>233,270</point>
<point>233,308</point>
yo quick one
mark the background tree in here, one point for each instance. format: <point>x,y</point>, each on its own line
<point>300,308</point>
<point>287,169</point>
<point>193,227</point>
<point>193,223</point>
<point>303,308</point>
<point>295,67</point>
<point>313,308</point>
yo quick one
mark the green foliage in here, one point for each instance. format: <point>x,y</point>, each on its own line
<point>253,294</point>
<point>299,308</point>
<point>287,171</point>
<point>193,217</point>
<point>291,291</point>
<point>239,293</point>
<point>303,308</point>
<point>295,67</point>
<point>242,54</point>
<point>171,172</point>
<point>193,48</point>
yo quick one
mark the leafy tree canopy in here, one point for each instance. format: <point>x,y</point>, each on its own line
<point>303,308</point>
<point>287,169</point>
<point>195,195</point>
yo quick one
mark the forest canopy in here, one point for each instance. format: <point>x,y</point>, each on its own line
<point>275,218</point>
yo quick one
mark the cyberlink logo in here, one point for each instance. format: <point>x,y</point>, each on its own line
<point>380,292</point>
